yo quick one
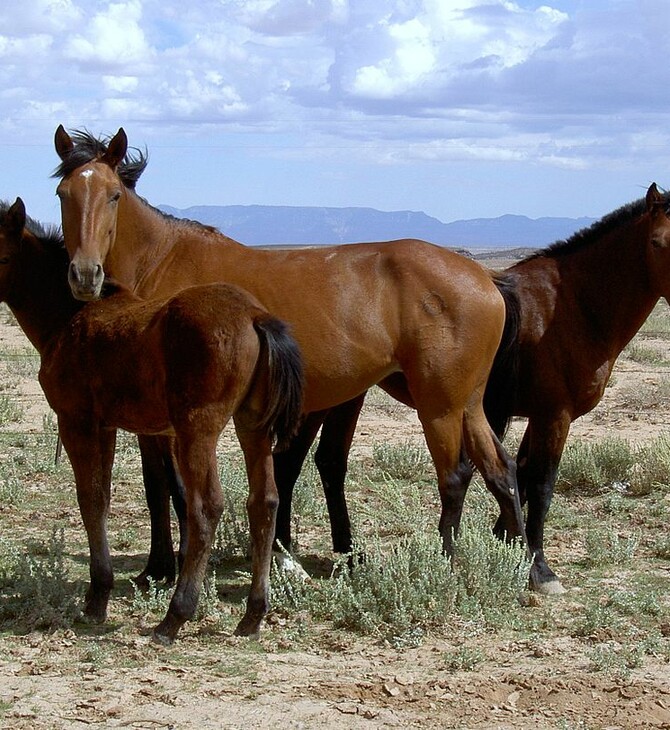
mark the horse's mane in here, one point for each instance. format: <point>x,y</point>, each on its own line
<point>87,148</point>
<point>50,235</point>
<point>586,236</point>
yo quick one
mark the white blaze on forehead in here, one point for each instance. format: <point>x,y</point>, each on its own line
<point>86,173</point>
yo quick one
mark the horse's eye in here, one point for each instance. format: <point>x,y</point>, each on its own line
<point>115,197</point>
<point>4,260</point>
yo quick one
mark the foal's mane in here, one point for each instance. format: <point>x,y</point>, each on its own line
<point>49,235</point>
<point>586,236</point>
<point>88,148</point>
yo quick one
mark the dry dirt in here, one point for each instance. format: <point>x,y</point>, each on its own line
<point>61,680</point>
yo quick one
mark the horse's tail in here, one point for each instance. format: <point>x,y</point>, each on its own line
<point>502,387</point>
<point>285,379</point>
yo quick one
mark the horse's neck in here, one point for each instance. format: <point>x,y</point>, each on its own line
<point>153,254</point>
<point>40,297</point>
<point>609,280</point>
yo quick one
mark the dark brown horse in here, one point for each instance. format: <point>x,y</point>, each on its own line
<point>182,367</point>
<point>581,302</point>
<point>422,321</point>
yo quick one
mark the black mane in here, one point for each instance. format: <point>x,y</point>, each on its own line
<point>87,148</point>
<point>583,238</point>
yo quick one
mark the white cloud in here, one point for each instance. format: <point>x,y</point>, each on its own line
<point>204,98</point>
<point>38,16</point>
<point>121,84</point>
<point>394,83</point>
<point>22,50</point>
<point>286,17</point>
<point>421,55</point>
<point>112,38</point>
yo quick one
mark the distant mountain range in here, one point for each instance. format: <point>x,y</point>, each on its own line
<point>269,224</point>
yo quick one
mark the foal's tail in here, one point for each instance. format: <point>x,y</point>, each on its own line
<point>285,379</point>
<point>502,387</point>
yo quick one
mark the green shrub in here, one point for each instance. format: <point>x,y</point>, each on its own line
<point>398,593</point>
<point>232,533</point>
<point>404,460</point>
<point>652,466</point>
<point>394,507</point>
<point>644,354</point>
<point>36,589</point>
<point>463,659</point>
<point>608,547</point>
<point>10,410</point>
<point>593,467</point>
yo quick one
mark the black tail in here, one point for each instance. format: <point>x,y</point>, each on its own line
<point>502,387</point>
<point>285,379</point>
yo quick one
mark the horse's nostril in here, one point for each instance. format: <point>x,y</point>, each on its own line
<point>73,273</point>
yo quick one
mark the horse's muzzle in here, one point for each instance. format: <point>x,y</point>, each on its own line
<point>85,282</point>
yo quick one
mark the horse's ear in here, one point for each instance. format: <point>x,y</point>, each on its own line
<point>15,219</point>
<point>63,142</point>
<point>653,196</point>
<point>116,149</point>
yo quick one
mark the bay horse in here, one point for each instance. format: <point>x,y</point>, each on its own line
<point>183,366</point>
<point>422,321</point>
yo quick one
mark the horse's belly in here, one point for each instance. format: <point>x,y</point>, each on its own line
<point>325,388</point>
<point>133,412</point>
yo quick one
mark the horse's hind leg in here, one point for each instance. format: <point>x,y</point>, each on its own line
<point>287,466</point>
<point>161,480</point>
<point>196,458</point>
<point>262,509</point>
<point>443,438</point>
<point>452,498</point>
<point>331,459</point>
<point>497,468</point>
<point>90,449</point>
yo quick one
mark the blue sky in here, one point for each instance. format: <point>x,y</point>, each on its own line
<point>459,108</point>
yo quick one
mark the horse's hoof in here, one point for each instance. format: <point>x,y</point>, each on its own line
<point>550,588</point>
<point>94,614</point>
<point>92,620</point>
<point>144,580</point>
<point>162,639</point>
<point>248,626</point>
<point>141,580</point>
<point>166,631</point>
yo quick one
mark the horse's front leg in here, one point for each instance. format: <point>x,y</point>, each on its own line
<point>537,473</point>
<point>537,467</point>
<point>262,509</point>
<point>196,459</point>
<point>162,480</point>
<point>90,448</point>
